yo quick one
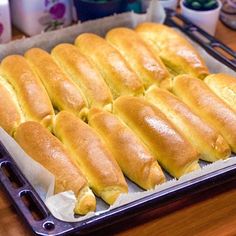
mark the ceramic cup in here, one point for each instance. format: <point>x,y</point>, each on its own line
<point>34,17</point>
<point>207,20</point>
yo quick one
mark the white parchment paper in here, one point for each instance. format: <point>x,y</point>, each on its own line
<point>62,205</point>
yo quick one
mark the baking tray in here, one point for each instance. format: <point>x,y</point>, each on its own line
<point>39,219</point>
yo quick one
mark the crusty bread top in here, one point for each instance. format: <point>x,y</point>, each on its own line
<point>148,66</point>
<point>172,150</point>
<point>175,51</point>
<point>63,92</point>
<point>131,154</point>
<point>83,142</point>
<point>224,86</point>
<point>195,93</point>
<point>10,113</point>
<point>112,66</point>
<point>83,73</point>
<point>46,149</point>
<point>31,94</point>
<point>207,140</point>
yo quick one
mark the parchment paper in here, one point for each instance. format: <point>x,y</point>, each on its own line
<point>61,205</point>
<point>37,175</point>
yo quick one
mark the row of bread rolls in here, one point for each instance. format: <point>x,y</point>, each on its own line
<point>82,159</point>
<point>97,76</point>
<point>91,74</point>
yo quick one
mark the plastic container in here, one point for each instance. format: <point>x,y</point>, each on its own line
<point>207,20</point>
<point>33,17</point>
<point>89,9</point>
<point>5,22</point>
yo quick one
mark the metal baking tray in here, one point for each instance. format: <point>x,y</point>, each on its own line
<point>39,219</point>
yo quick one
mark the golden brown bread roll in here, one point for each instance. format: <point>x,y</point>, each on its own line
<point>133,157</point>
<point>171,149</point>
<point>149,67</point>
<point>175,51</point>
<point>112,66</point>
<point>78,68</point>
<point>63,92</point>
<point>195,93</point>
<point>46,149</point>
<point>224,86</point>
<point>91,154</point>
<point>10,113</point>
<point>32,96</point>
<point>207,141</point>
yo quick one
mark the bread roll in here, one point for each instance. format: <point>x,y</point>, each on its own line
<point>112,66</point>
<point>77,67</point>
<point>149,67</point>
<point>91,154</point>
<point>170,148</point>
<point>10,113</point>
<point>46,149</point>
<point>33,98</point>
<point>207,105</point>
<point>135,160</point>
<point>64,93</point>
<point>175,51</point>
<point>224,86</point>
<point>207,141</point>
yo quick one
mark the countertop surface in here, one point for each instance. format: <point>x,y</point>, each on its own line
<point>213,213</point>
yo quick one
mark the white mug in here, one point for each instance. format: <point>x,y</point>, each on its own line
<point>207,20</point>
